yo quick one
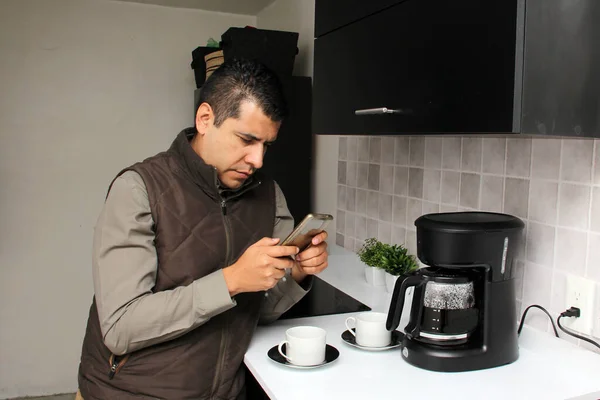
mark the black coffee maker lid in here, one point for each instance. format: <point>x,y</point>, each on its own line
<point>469,221</point>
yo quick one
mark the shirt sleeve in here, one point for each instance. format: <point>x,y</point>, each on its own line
<point>124,264</point>
<point>287,292</point>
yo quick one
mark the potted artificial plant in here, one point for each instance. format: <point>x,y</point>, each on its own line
<point>385,262</point>
<point>370,254</point>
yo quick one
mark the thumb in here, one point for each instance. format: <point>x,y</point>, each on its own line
<point>267,241</point>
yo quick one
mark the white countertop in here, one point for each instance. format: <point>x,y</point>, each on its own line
<point>547,368</point>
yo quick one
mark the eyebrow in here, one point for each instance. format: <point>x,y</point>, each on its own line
<point>254,138</point>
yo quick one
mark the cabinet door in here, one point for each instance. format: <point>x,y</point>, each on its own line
<point>450,64</point>
<point>289,160</point>
<point>333,14</point>
<point>561,39</point>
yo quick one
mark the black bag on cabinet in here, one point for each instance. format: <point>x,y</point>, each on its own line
<point>276,49</point>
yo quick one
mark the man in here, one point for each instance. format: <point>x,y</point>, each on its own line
<point>185,254</point>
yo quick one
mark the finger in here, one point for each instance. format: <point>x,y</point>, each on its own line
<point>312,252</point>
<point>267,241</point>
<point>282,263</point>
<point>314,261</point>
<point>319,238</point>
<point>315,270</point>
<point>281,251</point>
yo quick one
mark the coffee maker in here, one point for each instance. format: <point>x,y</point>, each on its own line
<point>463,310</point>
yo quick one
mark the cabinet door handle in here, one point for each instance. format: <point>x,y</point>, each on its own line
<point>381,110</point>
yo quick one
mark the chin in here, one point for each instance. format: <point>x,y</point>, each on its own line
<point>233,183</point>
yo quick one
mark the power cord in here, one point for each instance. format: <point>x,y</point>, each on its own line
<point>541,308</point>
<point>574,312</point>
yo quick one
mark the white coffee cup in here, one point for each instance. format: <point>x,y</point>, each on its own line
<point>370,329</point>
<point>305,345</point>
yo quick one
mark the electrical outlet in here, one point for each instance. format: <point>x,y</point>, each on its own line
<point>581,294</point>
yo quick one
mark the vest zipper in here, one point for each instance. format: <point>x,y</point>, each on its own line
<point>113,370</point>
<point>226,220</point>
<point>228,256</point>
<point>223,344</point>
<point>227,233</point>
<point>115,366</point>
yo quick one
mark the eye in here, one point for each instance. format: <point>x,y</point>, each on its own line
<point>246,140</point>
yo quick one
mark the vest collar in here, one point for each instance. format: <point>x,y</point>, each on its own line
<point>202,174</point>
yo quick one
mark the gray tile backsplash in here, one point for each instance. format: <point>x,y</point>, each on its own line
<point>543,201</point>
<point>471,154</point>
<point>516,196</point>
<point>415,182</point>
<point>385,183</point>
<point>492,193</point>
<point>518,157</point>
<point>494,154</point>
<point>545,159</point>
<point>375,150</point>
<point>417,151</point>
<point>580,171</point>
<point>470,185</point>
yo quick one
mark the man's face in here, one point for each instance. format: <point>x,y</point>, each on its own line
<point>237,147</point>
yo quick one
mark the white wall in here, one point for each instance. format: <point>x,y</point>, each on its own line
<point>293,16</point>
<point>299,16</point>
<point>87,87</point>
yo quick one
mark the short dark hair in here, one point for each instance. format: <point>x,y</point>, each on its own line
<point>241,80</point>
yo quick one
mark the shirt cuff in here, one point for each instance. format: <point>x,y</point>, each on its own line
<point>211,295</point>
<point>294,290</point>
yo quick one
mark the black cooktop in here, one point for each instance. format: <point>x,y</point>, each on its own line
<point>324,299</point>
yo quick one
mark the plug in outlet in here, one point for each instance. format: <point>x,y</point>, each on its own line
<point>580,294</point>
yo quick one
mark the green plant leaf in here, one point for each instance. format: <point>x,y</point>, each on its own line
<point>391,258</point>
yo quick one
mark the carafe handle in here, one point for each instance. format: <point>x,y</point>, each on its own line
<point>397,302</point>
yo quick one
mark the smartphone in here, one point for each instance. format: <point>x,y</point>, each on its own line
<point>309,227</point>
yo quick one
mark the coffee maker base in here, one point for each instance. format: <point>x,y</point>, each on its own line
<point>454,360</point>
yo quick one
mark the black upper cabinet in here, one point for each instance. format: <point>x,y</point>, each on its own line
<point>561,68</point>
<point>334,14</point>
<point>438,66</point>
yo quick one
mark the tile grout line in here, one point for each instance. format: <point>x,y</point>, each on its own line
<point>560,185</point>
<point>552,270</point>
<point>480,200</point>
<point>407,190</point>
<point>589,222</point>
<point>505,140</point>
<point>554,266</point>
<point>460,173</point>
<point>529,201</point>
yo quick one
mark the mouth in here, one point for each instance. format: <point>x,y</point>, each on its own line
<point>242,174</point>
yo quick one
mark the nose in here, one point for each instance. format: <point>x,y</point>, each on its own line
<point>255,155</point>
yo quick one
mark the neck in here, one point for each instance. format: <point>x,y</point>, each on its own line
<point>196,144</point>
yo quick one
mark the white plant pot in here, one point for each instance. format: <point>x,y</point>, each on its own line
<point>375,276</point>
<point>390,282</point>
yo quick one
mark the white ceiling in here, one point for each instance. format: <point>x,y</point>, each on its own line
<point>247,7</point>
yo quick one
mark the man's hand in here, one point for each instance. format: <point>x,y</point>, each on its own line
<point>312,260</point>
<point>260,267</point>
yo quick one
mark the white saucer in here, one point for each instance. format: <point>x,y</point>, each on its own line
<point>331,354</point>
<point>397,337</point>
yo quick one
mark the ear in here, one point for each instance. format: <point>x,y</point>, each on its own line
<point>204,118</point>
